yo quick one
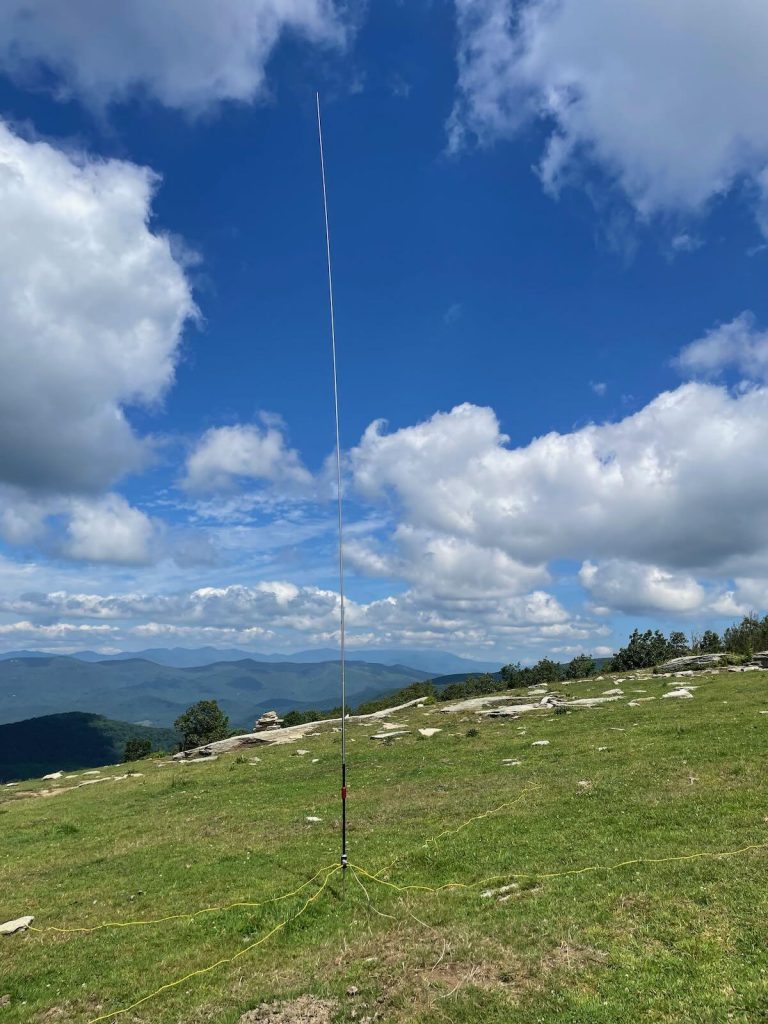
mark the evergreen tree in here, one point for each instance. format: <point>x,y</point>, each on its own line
<point>710,642</point>
<point>677,646</point>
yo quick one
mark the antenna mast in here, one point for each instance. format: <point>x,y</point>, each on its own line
<point>340,511</point>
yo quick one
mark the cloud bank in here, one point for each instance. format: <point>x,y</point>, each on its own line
<point>92,308</point>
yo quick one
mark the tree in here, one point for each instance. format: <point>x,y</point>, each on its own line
<point>512,676</point>
<point>748,636</point>
<point>137,749</point>
<point>677,645</point>
<point>202,723</point>
<point>644,650</point>
<point>545,671</point>
<point>580,667</point>
<point>710,642</point>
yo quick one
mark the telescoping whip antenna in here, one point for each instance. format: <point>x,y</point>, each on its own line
<point>340,511</point>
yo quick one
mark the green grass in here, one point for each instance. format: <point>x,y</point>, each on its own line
<point>675,942</point>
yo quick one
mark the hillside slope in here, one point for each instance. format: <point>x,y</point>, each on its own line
<point>64,742</point>
<point>142,691</point>
<point>614,874</point>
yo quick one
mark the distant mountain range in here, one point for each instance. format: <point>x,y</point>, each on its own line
<point>136,690</point>
<point>426,660</point>
<point>35,747</point>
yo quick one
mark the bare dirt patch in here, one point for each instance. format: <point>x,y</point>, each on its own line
<point>304,1010</point>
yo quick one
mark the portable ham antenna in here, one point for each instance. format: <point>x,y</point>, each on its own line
<point>342,662</point>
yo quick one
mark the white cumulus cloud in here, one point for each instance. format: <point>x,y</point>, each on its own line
<point>109,530</point>
<point>185,53</point>
<point>667,98</point>
<point>739,344</point>
<point>226,456</point>
<point>638,589</point>
<point>666,496</point>
<point>92,305</point>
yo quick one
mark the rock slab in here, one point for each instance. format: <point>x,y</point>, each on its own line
<point>19,925</point>
<point>692,661</point>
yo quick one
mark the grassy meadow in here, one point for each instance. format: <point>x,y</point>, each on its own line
<point>684,942</point>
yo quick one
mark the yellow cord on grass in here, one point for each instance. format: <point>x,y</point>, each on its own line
<point>180,917</point>
<point>223,960</point>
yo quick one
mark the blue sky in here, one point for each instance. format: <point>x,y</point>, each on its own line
<point>549,237</point>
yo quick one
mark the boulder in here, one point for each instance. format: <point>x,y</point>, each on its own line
<point>19,925</point>
<point>683,693</point>
<point>760,660</point>
<point>696,662</point>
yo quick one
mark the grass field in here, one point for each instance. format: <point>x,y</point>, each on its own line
<point>679,941</point>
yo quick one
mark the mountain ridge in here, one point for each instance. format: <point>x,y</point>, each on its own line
<point>426,660</point>
<point>137,690</point>
<point>70,741</point>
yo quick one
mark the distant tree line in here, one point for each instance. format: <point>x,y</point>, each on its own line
<point>205,722</point>
<point>510,677</point>
<point>651,648</point>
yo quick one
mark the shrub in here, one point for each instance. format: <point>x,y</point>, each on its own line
<point>137,749</point>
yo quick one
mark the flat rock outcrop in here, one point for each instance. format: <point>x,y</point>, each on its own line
<point>693,662</point>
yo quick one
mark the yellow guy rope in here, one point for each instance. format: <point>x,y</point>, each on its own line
<point>358,871</point>
<point>183,917</point>
<point>224,960</point>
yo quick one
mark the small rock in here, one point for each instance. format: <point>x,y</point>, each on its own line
<point>5,1000</point>
<point>583,784</point>
<point>600,749</point>
<point>315,760</point>
<point>93,771</point>
<point>389,735</point>
<point>312,818</point>
<point>429,732</point>
<point>53,775</point>
<point>19,925</point>
<point>682,693</point>
<point>540,743</point>
<point>615,692</point>
<point>352,991</point>
<point>510,762</point>
<point>503,891</point>
<point>300,753</point>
